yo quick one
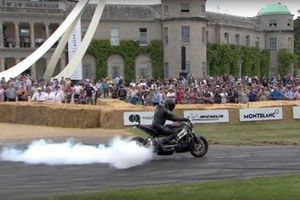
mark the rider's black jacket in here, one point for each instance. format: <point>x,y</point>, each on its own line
<point>161,115</point>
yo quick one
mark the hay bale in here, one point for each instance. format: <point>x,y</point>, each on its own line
<point>74,117</point>
<point>33,114</point>
<point>7,112</point>
<point>112,118</point>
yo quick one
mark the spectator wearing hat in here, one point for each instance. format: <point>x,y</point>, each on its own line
<point>39,95</point>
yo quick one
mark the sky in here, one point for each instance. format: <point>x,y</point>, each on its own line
<point>246,8</point>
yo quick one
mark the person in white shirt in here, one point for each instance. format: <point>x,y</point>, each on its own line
<point>56,95</point>
<point>39,96</point>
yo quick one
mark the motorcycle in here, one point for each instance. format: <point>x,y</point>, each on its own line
<point>185,141</point>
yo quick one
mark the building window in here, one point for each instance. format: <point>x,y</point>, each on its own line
<point>207,37</point>
<point>290,43</point>
<point>273,22</point>
<point>273,44</point>
<point>226,37</point>
<point>115,71</point>
<point>237,39</point>
<point>203,8</point>
<point>166,70</point>
<point>143,36</point>
<point>166,10</point>
<point>203,35</point>
<point>87,71</point>
<point>143,72</point>
<point>185,7</point>
<point>257,42</point>
<point>185,34</point>
<point>114,37</point>
<point>166,35</point>
<point>248,40</point>
<point>204,70</point>
<point>290,23</point>
<point>188,66</point>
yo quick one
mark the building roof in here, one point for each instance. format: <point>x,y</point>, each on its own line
<point>230,19</point>
<point>128,12</point>
<point>276,8</point>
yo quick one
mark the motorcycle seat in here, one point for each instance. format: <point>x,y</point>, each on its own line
<point>149,129</point>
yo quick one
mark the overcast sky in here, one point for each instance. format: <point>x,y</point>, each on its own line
<point>246,8</point>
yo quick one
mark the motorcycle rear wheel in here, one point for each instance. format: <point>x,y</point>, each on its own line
<point>139,140</point>
<point>199,147</point>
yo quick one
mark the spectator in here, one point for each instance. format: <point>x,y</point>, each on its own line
<point>263,94</point>
<point>288,93</point>
<point>39,95</point>
<point>11,93</point>
<point>243,95</point>
<point>2,94</point>
<point>122,92</point>
<point>88,94</point>
<point>156,97</point>
<point>297,94</point>
<point>275,94</point>
<point>133,94</point>
<point>56,95</point>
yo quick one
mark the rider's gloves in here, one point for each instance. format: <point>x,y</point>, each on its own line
<point>187,120</point>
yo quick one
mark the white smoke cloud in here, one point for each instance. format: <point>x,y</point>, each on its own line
<point>120,153</point>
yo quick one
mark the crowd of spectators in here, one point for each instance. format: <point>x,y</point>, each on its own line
<point>182,90</point>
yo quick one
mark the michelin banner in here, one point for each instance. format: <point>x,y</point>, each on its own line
<point>261,114</point>
<point>207,116</point>
<point>296,112</point>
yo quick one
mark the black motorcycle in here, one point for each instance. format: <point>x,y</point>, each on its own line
<point>185,141</point>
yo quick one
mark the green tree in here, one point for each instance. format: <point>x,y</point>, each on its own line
<point>297,41</point>
<point>285,60</point>
<point>235,60</point>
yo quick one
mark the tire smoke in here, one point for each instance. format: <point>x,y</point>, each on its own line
<point>120,153</point>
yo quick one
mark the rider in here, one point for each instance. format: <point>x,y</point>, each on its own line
<point>161,115</point>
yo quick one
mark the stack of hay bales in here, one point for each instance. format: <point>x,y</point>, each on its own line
<point>108,113</point>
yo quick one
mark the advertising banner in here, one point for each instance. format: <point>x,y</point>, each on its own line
<point>133,118</point>
<point>296,112</point>
<point>261,114</point>
<point>73,45</point>
<point>207,116</point>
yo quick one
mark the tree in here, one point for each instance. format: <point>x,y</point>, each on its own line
<point>297,41</point>
<point>285,61</point>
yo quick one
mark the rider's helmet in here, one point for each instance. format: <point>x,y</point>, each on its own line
<point>170,105</point>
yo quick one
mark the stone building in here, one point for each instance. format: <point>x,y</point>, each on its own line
<point>184,27</point>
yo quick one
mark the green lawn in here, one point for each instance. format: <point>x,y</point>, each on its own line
<point>252,133</point>
<point>276,188</point>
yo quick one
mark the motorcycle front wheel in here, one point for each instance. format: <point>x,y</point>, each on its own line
<point>199,146</point>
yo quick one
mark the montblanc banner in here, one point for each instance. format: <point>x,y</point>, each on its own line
<point>73,45</point>
<point>261,114</point>
<point>133,118</point>
<point>207,116</point>
<point>296,112</point>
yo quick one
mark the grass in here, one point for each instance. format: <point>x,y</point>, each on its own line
<point>246,133</point>
<point>276,188</point>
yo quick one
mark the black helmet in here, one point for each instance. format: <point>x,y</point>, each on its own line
<point>170,104</point>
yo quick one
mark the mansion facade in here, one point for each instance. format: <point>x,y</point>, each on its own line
<point>184,27</point>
